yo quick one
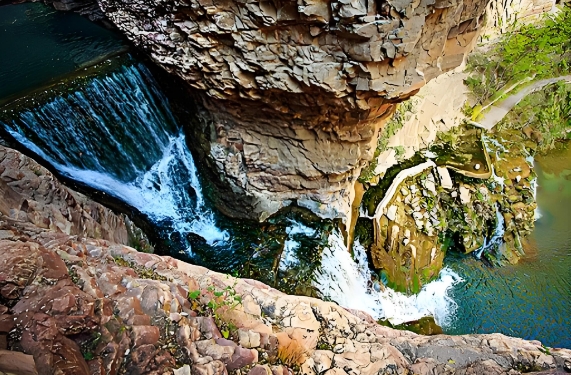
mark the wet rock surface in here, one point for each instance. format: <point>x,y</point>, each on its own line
<point>293,94</point>
<point>81,305</point>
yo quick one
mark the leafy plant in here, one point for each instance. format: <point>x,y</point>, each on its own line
<point>530,51</point>
<point>219,302</point>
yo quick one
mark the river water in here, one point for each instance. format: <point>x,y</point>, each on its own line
<point>39,45</point>
<point>116,132</point>
<point>533,298</point>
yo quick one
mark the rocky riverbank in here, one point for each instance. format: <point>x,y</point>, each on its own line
<point>77,300</point>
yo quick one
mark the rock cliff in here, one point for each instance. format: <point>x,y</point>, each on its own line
<point>30,193</point>
<point>293,94</point>
<point>79,305</point>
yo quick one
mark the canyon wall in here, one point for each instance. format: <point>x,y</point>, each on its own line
<point>292,94</point>
<point>503,14</point>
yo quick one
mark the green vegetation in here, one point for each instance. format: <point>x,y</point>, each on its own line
<point>542,118</point>
<point>529,51</point>
<point>215,303</point>
<point>89,345</point>
<point>142,272</point>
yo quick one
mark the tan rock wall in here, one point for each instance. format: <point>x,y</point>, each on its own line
<point>502,14</point>
<point>294,93</point>
<point>30,193</point>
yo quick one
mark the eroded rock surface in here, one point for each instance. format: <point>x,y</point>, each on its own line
<point>90,306</point>
<point>293,93</point>
<point>30,193</point>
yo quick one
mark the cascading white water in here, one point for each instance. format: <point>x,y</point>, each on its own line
<point>496,239</point>
<point>348,282</point>
<point>534,185</point>
<point>117,134</point>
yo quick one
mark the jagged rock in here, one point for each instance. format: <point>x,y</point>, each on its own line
<point>292,96</point>
<point>31,193</point>
<point>63,315</point>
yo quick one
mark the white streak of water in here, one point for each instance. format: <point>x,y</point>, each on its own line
<point>288,257</point>
<point>118,135</point>
<point>348,282</point>
<point>497,237</point>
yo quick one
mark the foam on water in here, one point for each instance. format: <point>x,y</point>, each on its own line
<point>347,281</point>
<point>119,136</point>
<point>534,185</point>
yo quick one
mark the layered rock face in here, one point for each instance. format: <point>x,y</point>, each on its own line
<point>80,305</point>
<point>293,94</point>
<point>30,193</point>
<point>503,14</point>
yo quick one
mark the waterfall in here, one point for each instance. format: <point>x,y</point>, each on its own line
<point>117,134</point>
<point>347,281</point>
<point>496,239</point>
<point>534,185</point>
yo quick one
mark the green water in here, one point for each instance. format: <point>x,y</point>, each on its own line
<point>39,45</point>
<point>533,298</point>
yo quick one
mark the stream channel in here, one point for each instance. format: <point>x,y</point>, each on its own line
<point>73,96</point>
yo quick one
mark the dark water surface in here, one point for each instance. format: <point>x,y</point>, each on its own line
<point>39,44</point>
<point>533,298</point>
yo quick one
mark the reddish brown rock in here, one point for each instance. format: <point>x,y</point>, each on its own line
<point>18,263</point>
<point>141,357</point>
<point>96,367</point>
<point>242,357</point>
<point>260,370</point>
<point>145,335</point>
<point>52,351</point>
<point>61,323</point>
<point>17,363</point>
